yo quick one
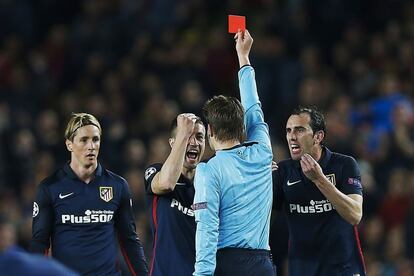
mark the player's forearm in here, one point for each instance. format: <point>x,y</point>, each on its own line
<point>171,170</point>
<point>135,258</point>
<point>129,243</point>
<point>133,252</point>
<point>43,220</point>
<point>348,208</point>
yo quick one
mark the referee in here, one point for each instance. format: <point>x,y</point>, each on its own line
<point>233,197</point>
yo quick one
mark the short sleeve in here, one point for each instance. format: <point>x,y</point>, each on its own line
<point>149,175</point>
<point>351,178</point>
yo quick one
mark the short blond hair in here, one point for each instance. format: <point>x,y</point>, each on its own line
<point>78,120</point>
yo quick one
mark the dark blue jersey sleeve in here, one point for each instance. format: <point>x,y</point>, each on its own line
<point>42,221</point>
<point>129,242</point>
<point>150,173</point>
<point>351,183</point>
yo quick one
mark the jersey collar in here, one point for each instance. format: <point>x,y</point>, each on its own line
<point>245,144</point>
<point>326,156</point>
<point>71,174</point>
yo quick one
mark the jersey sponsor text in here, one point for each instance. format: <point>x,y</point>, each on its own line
<point>91,216</point>
<point>315,207</point>
<point>185,210</point>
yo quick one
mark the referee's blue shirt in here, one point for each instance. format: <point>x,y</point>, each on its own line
<point>233,197</point>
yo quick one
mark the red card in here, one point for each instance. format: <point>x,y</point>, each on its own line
<point>236,22</point>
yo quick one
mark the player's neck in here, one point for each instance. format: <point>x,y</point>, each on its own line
<point>188,173</point>
<point>317,153</point>
<point>85,173</point>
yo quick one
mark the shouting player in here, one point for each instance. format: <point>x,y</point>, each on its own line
<point>170,193</point>
<point>321,194</point>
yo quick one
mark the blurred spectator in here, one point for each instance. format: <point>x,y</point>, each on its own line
<point>396,203</point>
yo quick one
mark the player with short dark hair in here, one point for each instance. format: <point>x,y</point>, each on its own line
<point>321,194</point>
<point>83,209</point>
<point>170,194</point>
<point>233,198</point>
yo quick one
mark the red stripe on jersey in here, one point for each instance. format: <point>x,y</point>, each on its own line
<point>127,260</point>
<point>155,223</point>
<point>359,248</point>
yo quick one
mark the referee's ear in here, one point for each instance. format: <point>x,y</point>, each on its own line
<point>210,131</point>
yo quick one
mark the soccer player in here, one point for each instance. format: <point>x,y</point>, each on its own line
<point>82,209</point>
<point>321,194</point>
<point>170,193</point>
<point>233,197</point>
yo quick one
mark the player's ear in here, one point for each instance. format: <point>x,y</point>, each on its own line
<point>171,142</point>
<point>318,136</point>
<point>69,145</point>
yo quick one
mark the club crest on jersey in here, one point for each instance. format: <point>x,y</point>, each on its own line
<point>105,193</point>
<point>331,178</point>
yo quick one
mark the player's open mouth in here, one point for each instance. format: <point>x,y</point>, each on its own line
<point>192,154</point>
<point>90,155</point>
<point>294,148</point>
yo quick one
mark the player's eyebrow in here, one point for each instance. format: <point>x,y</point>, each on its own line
<point>295,128</point>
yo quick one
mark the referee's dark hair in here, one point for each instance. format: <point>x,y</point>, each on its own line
<point>317,119</point>
<point>225,115</point>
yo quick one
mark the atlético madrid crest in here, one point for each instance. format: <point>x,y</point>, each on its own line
<point>105,193</point>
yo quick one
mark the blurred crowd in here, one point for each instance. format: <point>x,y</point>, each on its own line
<point>135,65</point>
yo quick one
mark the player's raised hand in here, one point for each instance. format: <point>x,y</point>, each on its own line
<point>311,169</point>
<point>244,42</point>
<point>185,124</point>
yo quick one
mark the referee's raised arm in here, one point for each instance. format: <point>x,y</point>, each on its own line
<point>256,128</point>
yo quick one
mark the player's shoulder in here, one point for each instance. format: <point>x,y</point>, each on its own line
<point>287,163</point>
<point>115,178</point>
<point>343,159</point>
<point>55,178</point>
<point>286,167</point>
<point>152,170</point>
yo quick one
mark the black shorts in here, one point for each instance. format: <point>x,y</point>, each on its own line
<point>246,262</point>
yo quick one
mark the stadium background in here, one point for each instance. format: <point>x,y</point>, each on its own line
<point>135,64</point>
